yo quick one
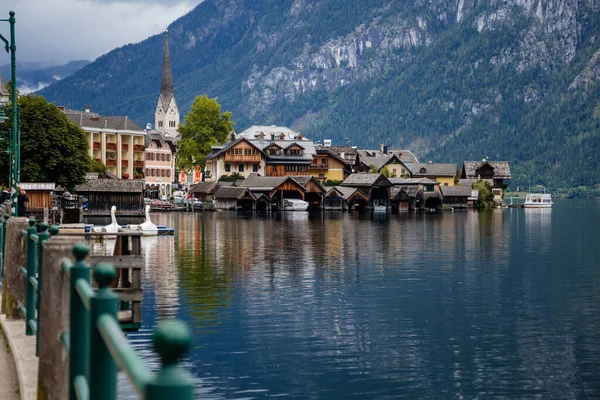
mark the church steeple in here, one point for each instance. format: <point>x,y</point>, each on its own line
<point>167,114</point>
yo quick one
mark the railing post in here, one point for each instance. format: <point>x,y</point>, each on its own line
<point>171,340</point>
<point>79,322</point>
<point>2,232</point>
<point>103,369</point>
<point>4,220</point>
<point>30,292</point>
<point>42,237</point>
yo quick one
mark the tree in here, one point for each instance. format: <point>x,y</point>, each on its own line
<point>385,171</point>
<point>486,197</point>
<point>53,149</point>
<point>231,177</point>
<point>204,126</point>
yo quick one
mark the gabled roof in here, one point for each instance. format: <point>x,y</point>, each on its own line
<point>218,150</point>
<point>259,183</point>
<point>412,181</point>
<point>255,131</point>
<point>158,137</point>
<point>232,192</point>
<point>406,156</point>
<point>204,188</point>
<point>432,169</point>
<point>304,180</point>
<point>501,169</point>
<point>456,191</point>
<point>294,144</point>
<point>93,120</point>
<point>307,145</point>
<point>328,151</point>
<point>366,180</point>
<point>111,185</point>
<point>350,192</point>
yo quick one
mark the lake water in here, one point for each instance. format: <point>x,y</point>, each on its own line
<point>499,303</point>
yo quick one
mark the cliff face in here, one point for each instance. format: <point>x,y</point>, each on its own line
<point>509,79</point>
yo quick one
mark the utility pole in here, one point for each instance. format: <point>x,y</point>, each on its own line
<point>14,137</point>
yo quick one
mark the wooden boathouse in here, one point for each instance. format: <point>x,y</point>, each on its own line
<point>99,195</point>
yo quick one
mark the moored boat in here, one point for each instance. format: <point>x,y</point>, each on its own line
<point>538,200</point>
<point>294,205</point>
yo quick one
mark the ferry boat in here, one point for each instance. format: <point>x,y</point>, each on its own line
<point>294,205</point>
<point>538,200</point>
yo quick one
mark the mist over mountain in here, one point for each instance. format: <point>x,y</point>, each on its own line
<point>32,76</point>
<point>512,80</point>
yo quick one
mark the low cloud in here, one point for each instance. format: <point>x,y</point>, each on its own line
<point>55,32</point>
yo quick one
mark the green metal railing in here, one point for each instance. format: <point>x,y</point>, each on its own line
<point>97,345</point>
<point>32,274</point>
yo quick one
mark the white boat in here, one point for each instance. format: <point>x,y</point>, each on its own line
<point>294,205</point>
<point>538,200</point>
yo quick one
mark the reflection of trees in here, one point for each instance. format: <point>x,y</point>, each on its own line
<point>205,286</point>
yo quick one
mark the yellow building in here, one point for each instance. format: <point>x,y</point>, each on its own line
<point>115,141</point>
<point>327,165</point>
<point>445,174</point>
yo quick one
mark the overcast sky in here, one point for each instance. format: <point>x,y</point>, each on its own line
<point>58,31</point>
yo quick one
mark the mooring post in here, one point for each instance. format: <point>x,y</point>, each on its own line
<point>30,289</point>
<point>103,369</point>
<point>79,324</point>
<point>53,371</point>
<point>13,285</point>
<point>171,340</point>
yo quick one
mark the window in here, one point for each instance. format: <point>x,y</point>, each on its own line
<point>163,157</point>
<point>394,171</point>
<point>294,152</point>
<point>321,175</point>
<point>254,167</point>
<point>168,173</point>
<point>160,124</point>
<point>163,172</point>
<point>147,172</point>
<point>227,167</point>
<point>168,157</point>
<point>152,172</point>
<point>171,124</point>
<point>445,183</point>
<point>241,167</point>
<point>402,171</point>
<point>428,188</point>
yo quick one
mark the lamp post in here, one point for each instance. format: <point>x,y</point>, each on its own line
<point>14,141</point>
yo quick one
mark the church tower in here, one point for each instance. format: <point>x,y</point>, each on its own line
<point>166,116</point>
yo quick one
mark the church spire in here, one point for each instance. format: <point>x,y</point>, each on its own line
<point>166,83</point>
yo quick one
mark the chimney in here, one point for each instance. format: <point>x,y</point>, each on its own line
<point>148,126</point>
<point>383,148</point>
<point>327,142</point>
<point>87,108</point>
<point>272,137</point>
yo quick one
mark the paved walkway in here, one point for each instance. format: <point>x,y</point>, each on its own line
<point>8,380</point>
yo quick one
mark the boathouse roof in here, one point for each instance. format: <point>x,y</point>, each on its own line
<point>366,180</point>
<point>111,185</point>
<point>230,193</point>
<point>204,187</point>
<point>456,191</point>
<point>432,169</point>
<point>256,182</point>
<point>500,169</point>
<point>350,192</point>
<point>305,180</point>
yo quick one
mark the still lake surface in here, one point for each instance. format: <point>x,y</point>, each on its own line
<point>498,303</point>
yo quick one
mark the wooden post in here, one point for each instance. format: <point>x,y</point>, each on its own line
<point>136,276</point>
<point>53,372</point>
<point>13,284</point>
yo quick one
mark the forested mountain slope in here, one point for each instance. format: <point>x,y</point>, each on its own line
<point>452,80</point>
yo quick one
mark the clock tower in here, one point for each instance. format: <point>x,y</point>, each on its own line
<point>166,116</point>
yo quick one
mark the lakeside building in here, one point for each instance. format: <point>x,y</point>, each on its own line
<point>159,165</point>
<point>115,141</point>
<point>444,174</point>
<point>495,172</point>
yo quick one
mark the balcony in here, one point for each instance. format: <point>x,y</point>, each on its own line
<point>98,159</point>
<point>124,147</point>
<point>111,146</point>
<point>319,167</point>
<point>138,163</point>
<point>138,147</point>
<point>97,146</point>
<point>124,163</point>
<point>111,162</point>
<point>256,158</point>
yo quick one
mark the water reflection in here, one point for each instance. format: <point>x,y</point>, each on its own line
<point>500,303</point>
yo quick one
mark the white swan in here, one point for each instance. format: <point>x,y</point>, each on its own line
<point>113,227</point>
<point>148,228</point>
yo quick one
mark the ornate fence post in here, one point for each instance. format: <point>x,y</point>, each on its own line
<point>30,292</point>
<point>2,235</point>
<point>13,284</point>
<point>79,324</point>
<point>42,237</point>
<point>172,340</point>
<point>103,369</point>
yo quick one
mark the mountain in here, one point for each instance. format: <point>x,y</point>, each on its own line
<point>35,76</point>
<point>510,80</point>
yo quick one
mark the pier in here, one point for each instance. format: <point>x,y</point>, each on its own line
<point>64,313</point>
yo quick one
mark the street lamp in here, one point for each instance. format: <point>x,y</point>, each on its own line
<point>15,145</point>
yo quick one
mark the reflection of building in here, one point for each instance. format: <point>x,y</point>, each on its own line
<point>115,141</point>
